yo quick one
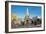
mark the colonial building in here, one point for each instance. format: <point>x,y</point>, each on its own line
<point>27,18</point>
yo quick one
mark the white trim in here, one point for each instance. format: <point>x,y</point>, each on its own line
<point>23,29</point>
<point>25,4</point>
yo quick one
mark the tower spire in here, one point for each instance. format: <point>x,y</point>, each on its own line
<point>27,12</point>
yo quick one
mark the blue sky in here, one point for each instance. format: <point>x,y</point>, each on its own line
<point>20,10</point>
